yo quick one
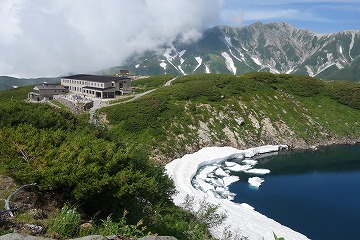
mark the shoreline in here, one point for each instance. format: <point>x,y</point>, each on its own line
<point>242,220</point>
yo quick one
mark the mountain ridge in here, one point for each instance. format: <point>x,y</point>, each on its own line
<point>273,47</point>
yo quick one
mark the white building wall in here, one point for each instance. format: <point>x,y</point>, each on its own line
<point>76,86</point>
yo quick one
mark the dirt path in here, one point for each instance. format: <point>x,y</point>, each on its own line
<point>99,103</point>
<point>168,83</point>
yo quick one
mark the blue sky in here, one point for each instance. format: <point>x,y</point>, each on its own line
<point>316,15</point>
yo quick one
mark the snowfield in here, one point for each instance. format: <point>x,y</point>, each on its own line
<point>229,62</point>
<point>242,220</point>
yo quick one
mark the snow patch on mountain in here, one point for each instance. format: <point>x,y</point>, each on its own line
<point>232,54</point>
<point>181,70</point>
<point>256,60</point>
<point>329,57</point>
<point>339,66</point>
<point>170,58</point>
<point>199,61</point>
<point>231,46</point>
<point>181,53</point>
<point>290,70</point>
<point>324,67</point>
<point>352,45</point>
<point>228,40</point>
<point>180,56</point>
<point>309,71</point>
<point>207,70</point>
<point>229,62</point>
<point>167,54</point>
<point>163,64</point>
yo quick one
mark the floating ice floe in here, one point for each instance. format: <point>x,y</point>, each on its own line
<point>229,180</point>
<point>214,181</point>
<point>255,181</point>
<point>258,171</point>
<point>221,173</point>
<point>239,168</point>
<point>229,164</point>
<point>250,162</point>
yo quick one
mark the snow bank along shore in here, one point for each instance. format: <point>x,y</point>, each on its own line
<point>211,183</point>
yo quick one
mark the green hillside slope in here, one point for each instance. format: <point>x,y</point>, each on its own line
<point>241,111</point>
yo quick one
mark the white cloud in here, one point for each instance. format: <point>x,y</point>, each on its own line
<point>53,37</point>
<point>9,19</point>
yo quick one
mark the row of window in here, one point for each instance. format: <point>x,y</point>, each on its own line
<point>79,89</point>
<point>83,83</point>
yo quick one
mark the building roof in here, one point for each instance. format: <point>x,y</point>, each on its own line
<point>46,86</point>
<point>94,78</point>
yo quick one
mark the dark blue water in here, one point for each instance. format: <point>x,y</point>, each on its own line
<point>316,193</point>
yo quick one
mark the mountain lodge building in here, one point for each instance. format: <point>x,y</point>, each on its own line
<point>96,86</point>
<point>46,91</point>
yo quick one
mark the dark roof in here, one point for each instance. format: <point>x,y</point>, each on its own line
<point>94,78</point>
<point>50,87</point>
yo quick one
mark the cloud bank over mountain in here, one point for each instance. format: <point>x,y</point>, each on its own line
<point>53,37</point>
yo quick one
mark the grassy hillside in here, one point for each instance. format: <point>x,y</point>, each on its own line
<point>240,111</point>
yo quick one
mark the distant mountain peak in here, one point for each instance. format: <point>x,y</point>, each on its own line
<point>276,47</point>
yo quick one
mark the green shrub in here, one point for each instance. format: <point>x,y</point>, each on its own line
<point>109,227</point>
<point>278,238</point>
<point>345,92</point>
<point>152,82</point>
<point>304,85</point>
<point>65,223</point>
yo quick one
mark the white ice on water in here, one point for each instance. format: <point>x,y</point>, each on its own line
<point>250,162</point>
<point>242,218</point>
<point>258,171</point>
<point>255,181</point>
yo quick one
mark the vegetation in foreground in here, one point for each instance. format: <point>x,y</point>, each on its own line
<point>103,178</point>
<point>88,171</point>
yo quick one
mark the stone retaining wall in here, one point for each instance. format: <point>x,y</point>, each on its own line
<point>76,107</point>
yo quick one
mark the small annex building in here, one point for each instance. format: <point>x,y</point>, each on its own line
<point>46,91</point>
<point>96,86</point>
